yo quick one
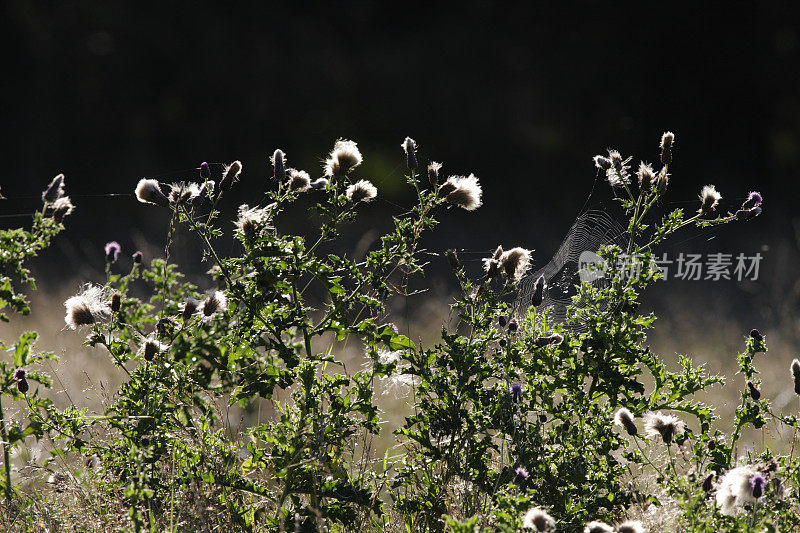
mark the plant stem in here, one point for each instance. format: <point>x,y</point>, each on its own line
<point>6,460</point>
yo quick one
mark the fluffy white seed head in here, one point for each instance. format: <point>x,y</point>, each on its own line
<point>252,219</point>
<point>734,490</point>
<point>624,418</point>
<point>87,307</point>
<point>463,191</point>
<point>597,526</point>
<point>149,192</point>
<point>183,193</point>
<point>215,303</point>
<point>344,157</point>
<point>665,426</point>
<point>514,263</point>
<point>361,191</point>
<point>631,526</point>
<point>299,180</point>
<point>709,198</point>
<point>62,207</point>
<point>538,520</point>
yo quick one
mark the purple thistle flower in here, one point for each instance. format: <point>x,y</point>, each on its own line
<point>520,474</point>
<point>205,171</point>
<point>753,200</point>
<point>19,374</point>
<point>112,251</point>
<point>757,483</point>
<point>516,392</point>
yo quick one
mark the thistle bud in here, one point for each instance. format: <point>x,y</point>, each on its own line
<point>603,163</point>
<point>753,200</point>
<point>205,171</point>
<point>433,172</point>
<point>796,375</point>
<point>666,147</point>
<point>278,161</point>
<point>22,386</point>
<point>755,394</point>
<point>708,483</point>
<point>538,292</point>
<point>513,325</point>
<point>189,308</point>
<point>756,335</point>
<point>116,301</point>
<point>452,258</point>
<point>55,190</point>
<point>230,175</point>
<point>112,250</point>
<point>502,321</point>
<point>516,392</point>
<point>410,148</point>
<point>137,258</point>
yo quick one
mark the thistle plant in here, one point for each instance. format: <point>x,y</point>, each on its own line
<point>518,420</point>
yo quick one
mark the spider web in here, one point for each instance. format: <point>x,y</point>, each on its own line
<point>590,231</point>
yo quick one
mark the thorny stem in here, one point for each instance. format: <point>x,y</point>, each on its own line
<point>6,460</point>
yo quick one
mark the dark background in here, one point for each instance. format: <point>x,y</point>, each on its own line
<point>521,95</point>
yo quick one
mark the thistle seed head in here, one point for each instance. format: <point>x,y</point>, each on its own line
<point>151,347</point>
<point>538,520</point>
<point>183,193</point>
<point>252,219</point>
<point>464,192</point>
<point>189,308</point>
<point>87,307</point>
<point>214,303</point>
<point>515,262</point>
<point>319,184</point>
<point>361,191</point>
<point>344,157</point>
<point>631,526</point>
<point>149,192</point>
<point>667,426</point>
<point>646,177</point>
<point>624,418</point>
<point>598,527</point>
<point>62,207</point>
<point>299,180</point>
<point>709,198</point>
